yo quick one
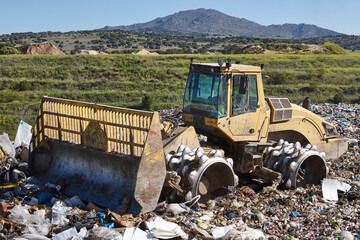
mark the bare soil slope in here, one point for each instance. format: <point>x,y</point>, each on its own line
<point>46,48</point>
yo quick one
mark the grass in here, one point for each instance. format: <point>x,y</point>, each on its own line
<point>123,80</point>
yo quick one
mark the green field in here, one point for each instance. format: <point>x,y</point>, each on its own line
<point>123,80</point>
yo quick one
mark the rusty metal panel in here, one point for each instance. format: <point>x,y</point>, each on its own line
<point>125,130</point>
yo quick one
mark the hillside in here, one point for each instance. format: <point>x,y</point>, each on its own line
<point>212,22</point>
<point>118,41</point>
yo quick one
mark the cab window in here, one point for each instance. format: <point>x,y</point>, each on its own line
<point>206,95</point>
<point>244,94</point>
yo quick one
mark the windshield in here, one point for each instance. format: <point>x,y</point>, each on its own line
<point>206,95</point>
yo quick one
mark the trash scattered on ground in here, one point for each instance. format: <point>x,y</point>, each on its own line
<point>327,211</point>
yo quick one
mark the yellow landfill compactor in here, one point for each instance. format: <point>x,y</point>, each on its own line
<point>107,154</point>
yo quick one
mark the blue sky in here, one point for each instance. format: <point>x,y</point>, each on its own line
<point>65,15</point>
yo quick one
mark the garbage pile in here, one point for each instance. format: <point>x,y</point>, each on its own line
<point>327,211</point>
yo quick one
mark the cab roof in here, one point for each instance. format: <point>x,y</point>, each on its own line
<point>216,68</point>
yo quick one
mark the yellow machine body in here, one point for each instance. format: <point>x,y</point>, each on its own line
<point>272,118</point>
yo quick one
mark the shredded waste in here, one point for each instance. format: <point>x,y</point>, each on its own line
<point>326,211</point>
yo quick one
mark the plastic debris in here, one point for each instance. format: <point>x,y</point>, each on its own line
<point>23,135</point>
<point>66,234</point>
<point>246,233</point>
<point>33,201</point>
<point>59,212</point>
<point>6,145</point>
<point>202,225</point>
<point>107,233</point>
<point>176,208</point>
<point>330,188</point>
<point>346,235</point>
<point>220,232</point>
<point>162,229</point>
<point>75,202</point>
<point>135,233</point>
<point>35,223</point>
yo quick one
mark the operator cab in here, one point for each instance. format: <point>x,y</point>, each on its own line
<point>220,97</point>
<point>207,88</point>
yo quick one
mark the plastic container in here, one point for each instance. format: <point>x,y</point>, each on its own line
<point>23,135</point>
<point>59,212</point>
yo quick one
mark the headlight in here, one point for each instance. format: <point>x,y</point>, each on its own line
<point>330,131</point>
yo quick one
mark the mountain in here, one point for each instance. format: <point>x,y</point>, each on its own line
<point>213,22</point>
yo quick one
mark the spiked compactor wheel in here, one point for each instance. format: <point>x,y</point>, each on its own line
<point>298,166</point>
<point>204,172</point>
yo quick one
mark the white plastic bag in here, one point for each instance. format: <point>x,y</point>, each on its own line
<point>179,208</point>
<point>219,232</point>
<point>246,233</point>
<point>330,187</point>
<point>176,209</point>
<point>162,229</point>
<point>7,145</point>
<point>107,233</point>
<point>23,135</point>
<point>135,234</point>
<point>35,223</point>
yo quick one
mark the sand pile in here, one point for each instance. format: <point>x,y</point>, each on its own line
<point>91,52</point>
<point>252,50</point>
<point>145,52</point>
<point>45,48</point>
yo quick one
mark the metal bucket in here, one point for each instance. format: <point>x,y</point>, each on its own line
<point>101,153</point>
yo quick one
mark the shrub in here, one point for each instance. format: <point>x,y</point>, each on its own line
<point>23,85</point>
<point>313,86</point>
<point>279,77</point>
<point>147,102</point>
<point>357,100</point>
<point>7,50</point>
<point>339,98</point>
<point>334,48</point>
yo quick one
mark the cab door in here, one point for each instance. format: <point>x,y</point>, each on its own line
<point>245,108</point>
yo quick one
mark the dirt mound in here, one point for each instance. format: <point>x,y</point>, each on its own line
<point>45,48</point>
<point>91,52</point>
<point>316,48</point>
<point>252,50</point>
<point>208,53</point>
<point>245,49</point>
<point>145,52</point>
